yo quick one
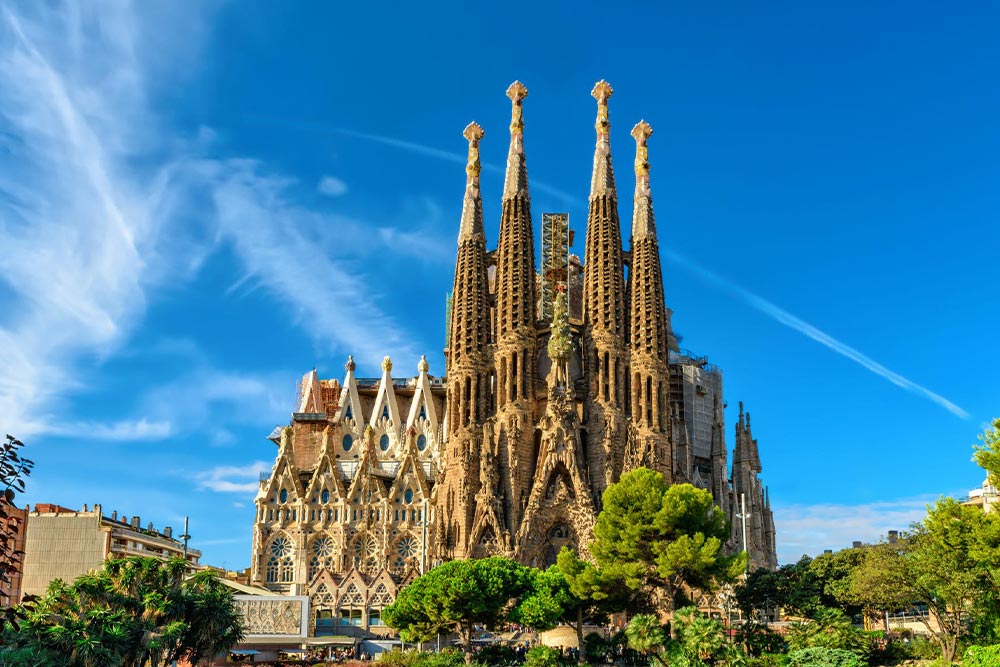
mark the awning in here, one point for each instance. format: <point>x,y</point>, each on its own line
<point>335,640</point>
<point>244,652</point>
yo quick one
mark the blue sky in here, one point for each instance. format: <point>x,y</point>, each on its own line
<point>200,202</point>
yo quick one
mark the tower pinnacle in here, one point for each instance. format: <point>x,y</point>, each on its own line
<point>603,180</point>
<point>516,177</point>
<point>472,206</point>
<point>643,225</point>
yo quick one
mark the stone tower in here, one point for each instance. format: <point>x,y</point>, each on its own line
<point>538,415</point>
<point>469,365</point>
<point>649,441</point>
<point>605,334</point>
<point>514,354</point>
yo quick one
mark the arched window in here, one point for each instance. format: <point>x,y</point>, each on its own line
<point>408,496</point>
<point>280,566</point>
<point>383,443</point>
<point>406,550</point>
<point>325,496</point>
<point>348,442</point>
<point>366,552</point>
<point>321,556</point>
<point>283,496</point>
<point>421,442</point>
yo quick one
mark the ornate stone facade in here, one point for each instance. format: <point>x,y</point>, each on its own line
<point>376,480</point>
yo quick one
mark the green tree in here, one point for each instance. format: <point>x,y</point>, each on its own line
<point>832,574</point>
<point>14,470</point>
<point>663,538</point>
<point>458,595</point>
<point>830,629</point>
<point>648,637</point>
<point>824,657</point>
<point>572,591</point>
<point>135,612</point>
<point>988,452</point>
<point>948,563</point>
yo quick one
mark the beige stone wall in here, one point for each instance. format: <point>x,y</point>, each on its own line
<point>60,546</point>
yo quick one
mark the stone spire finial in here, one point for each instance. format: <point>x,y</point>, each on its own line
<point>602,92</point>
<point>350,365</point>
<point>603,180</point>
<point>516,177</point>
<point>643,222</point>
<point>472,206</point>
<point>387,364</point>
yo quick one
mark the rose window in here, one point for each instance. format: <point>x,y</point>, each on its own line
<point>281,547</point>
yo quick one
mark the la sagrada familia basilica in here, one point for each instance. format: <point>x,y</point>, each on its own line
<point>557,381</point>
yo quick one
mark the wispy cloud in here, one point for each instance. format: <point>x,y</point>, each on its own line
<point>233,479</point>
<point>331,186</point>
<point>811,529</point>
<point>419,149</point>
<point>782,316</point>
<point>117,431</point>
<point>102,205</point>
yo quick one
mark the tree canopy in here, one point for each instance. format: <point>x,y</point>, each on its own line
<point>134,612</point>
<point>988,452</point>
<point>662,537</point>
<point>458,595</point>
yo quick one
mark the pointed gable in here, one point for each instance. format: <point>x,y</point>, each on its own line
<point>349,405</point>
<point>422,407</point>
<point>386,410</point>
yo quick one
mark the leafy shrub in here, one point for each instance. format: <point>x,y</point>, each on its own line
<point>830,629</point>
<point>821,656</point>
<point>498,655</point>
<point>982,656</point>
<point>542,656</point>
<point>446,658</point>
<point>758,639</point>
<point>920,648</point>
<point>766,660</point>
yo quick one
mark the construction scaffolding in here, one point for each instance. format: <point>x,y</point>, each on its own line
<point>556,241</point>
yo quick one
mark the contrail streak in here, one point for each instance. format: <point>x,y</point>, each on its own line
<point>792,322</point>
<point>430,151</point>
<point>759,303</point>
<point>412,147</point>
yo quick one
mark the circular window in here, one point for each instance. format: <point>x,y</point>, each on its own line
<point>421,442</point>
<point>383,443</point>
<point>407,547</point>
<point>283,496</point>
<point>348,441</point>
<point>281,547</point>
<point>408,496</point>
<point>323,547</point>
<point>325,496</point>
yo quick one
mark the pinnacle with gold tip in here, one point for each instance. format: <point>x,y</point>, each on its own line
<point>641,133</point>
<point>473,133</point>
<point>602,92</point>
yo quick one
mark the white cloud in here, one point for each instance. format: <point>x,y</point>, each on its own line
<point>332,186</point>
<point>118,431</point>
<point>811,529</point>
<point>101,205</point>
<point>233,479</point>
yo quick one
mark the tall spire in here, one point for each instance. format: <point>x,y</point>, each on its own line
<point>514,352</point>
<point>516,179</point>
<point>648,324</point>
<point>515,255</point>
<point>603,179</point>
<point>605,317</point>
<point>468,361</point>
<point>472,205</point>
<point>643,222</point>
<point>469,334</point>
